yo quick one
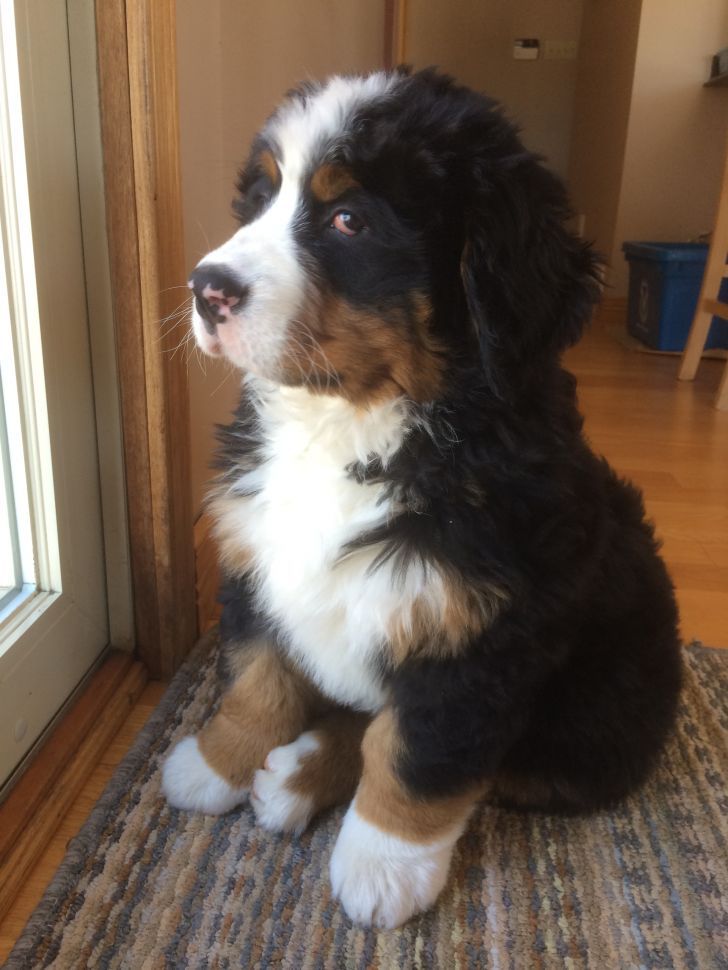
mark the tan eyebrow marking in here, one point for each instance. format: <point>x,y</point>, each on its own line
<point>330,181</point>
<point>269,167</point>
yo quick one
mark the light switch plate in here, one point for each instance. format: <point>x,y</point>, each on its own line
<point>560,50</point>
<point>525,49</point>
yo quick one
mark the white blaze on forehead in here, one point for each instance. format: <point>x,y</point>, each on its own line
<point>301,127</point>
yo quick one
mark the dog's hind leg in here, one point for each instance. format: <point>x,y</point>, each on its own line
<point>267,704</point>
<point>321,768</point>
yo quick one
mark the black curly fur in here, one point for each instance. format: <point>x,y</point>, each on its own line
<point>574,686</point>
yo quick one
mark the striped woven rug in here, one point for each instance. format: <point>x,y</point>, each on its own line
<point>646,885</point>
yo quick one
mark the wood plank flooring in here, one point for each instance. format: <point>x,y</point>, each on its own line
<point>34,887</point>
<point>664,434</point>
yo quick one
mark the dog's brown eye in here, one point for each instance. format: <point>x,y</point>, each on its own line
<point>347,223</point>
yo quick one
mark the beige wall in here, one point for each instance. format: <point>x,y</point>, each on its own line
<point>676,136</point>
<point>235,60</point>
<point>473,39</point>
<point>608,47</point>
<point>648,139</point>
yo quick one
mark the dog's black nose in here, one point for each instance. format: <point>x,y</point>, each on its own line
<point>218,294</point>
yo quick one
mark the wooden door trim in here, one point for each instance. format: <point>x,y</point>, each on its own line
<point>136,44</point>
<point>395,33</point>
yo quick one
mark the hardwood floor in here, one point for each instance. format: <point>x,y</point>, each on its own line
<point>664,434</point>
<point>34,887</point>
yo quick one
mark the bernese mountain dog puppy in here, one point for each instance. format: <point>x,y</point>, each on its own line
<point>433,590</point>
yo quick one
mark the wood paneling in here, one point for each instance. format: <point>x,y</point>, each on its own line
<point>136,56</point>
<point>395,27</point>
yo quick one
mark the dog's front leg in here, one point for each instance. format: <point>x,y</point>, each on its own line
<point>393,853</point>
<point>266,705</point>
<point>321,768</point>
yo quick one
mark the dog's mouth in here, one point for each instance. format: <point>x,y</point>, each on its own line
<point>219,300</point>
<point>228,323</point>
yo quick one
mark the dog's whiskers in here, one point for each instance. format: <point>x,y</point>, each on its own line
<point>315,347</point>
<point>172,320</point>
<point>309,376</point>
<point>231,369</point>
<point>184,339</point>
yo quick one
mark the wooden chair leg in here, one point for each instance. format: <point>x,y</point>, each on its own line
<point>721,400</point>
<point>709,301</point>
<point>696,340</point>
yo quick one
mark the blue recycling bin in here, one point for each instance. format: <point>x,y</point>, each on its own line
<point>664,285</point>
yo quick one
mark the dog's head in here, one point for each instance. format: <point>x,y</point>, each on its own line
<point>393,230</point>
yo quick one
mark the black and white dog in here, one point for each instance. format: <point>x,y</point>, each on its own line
<point>433,588</point>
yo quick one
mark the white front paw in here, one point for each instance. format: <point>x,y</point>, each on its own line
<point>278,806</point>
<point>188,782</point>
<point>382,880</point>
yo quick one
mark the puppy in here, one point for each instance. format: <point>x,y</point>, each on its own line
<point>433,589</point>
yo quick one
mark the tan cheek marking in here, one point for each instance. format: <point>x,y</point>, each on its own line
<point>329,775</point>
<point>383,800</point>
<point>375,359</point>
<point>430,628</point>
<point>428,362</point>
<point>266,706</point>
<point>330,181</point>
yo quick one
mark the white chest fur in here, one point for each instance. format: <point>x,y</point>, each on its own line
<point>333,615</point>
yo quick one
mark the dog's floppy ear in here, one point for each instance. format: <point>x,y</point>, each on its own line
<point>530,284</point>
